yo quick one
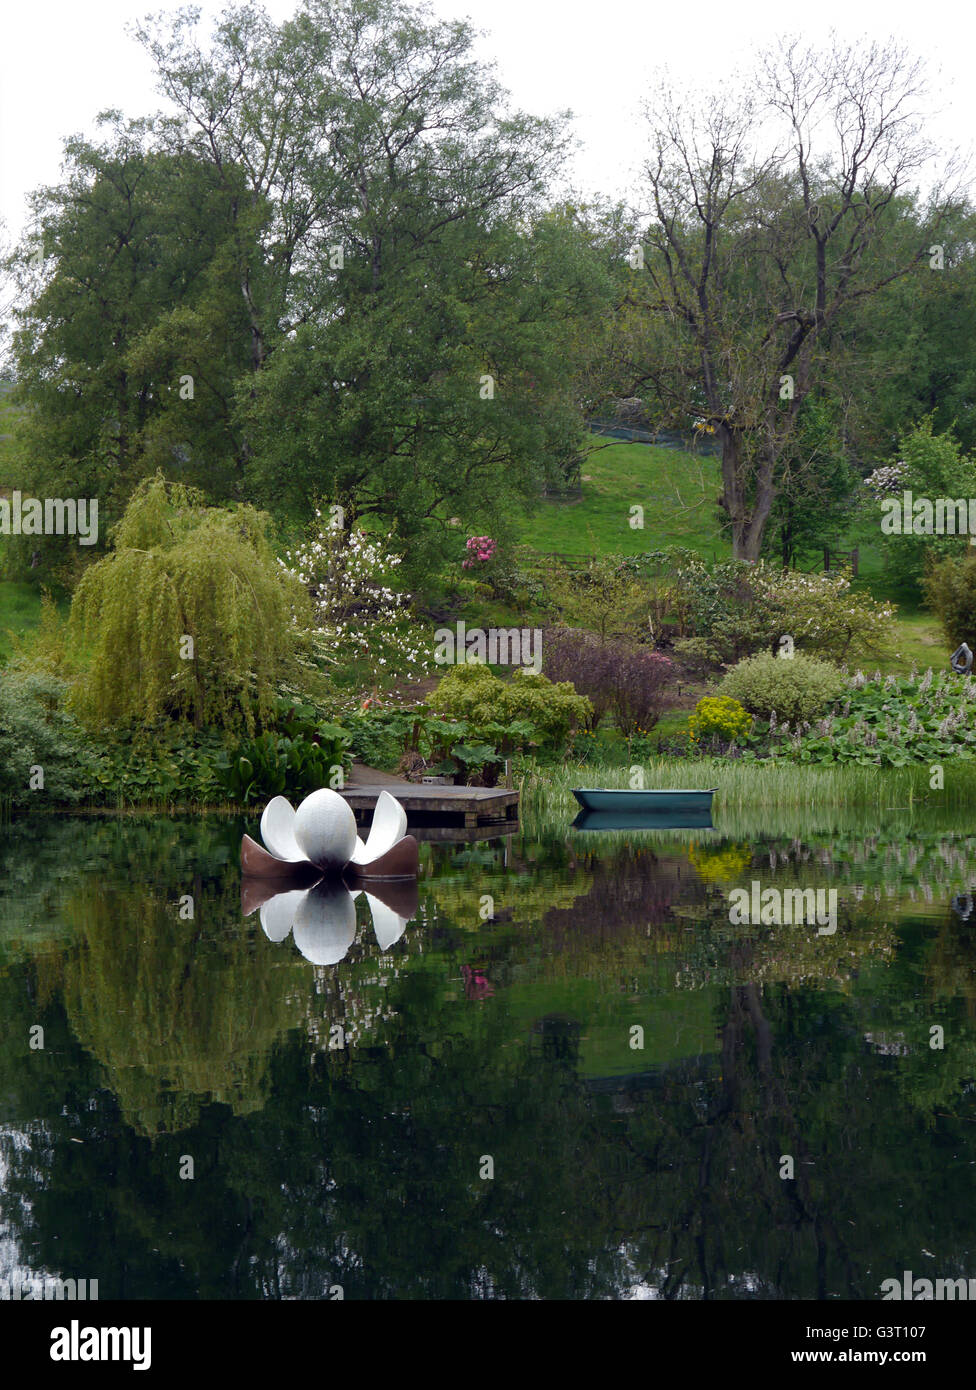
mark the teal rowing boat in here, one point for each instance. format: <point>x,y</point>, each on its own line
<point>652,799</point>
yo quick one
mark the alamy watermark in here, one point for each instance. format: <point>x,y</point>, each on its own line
<point>498,646</point>
<point>50,516</point>
<point>909,515</point>
<point>77,1343</point>
<point>28,1290</point>
<point>790,907</point>
<point>912,1290</point>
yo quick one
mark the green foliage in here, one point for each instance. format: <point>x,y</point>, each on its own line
<point>20,611</point>
<point>37,732</point>
<point>416,739</point>
<point>823,614</point>
<point>278,764</point>
<point>378,737</point>
<point>792,688</point>
<point>930,466</point>
<point>722,613</point>
<point>472,693</point>
<point>886,722</point>
<point>914,342</point>
<point>183,570</point>
<point>169,764</point>
<point>144,254</point>
<point>950,588</point>
<point>817,490</point>
<point>721,717</point>
<point>607,596</point>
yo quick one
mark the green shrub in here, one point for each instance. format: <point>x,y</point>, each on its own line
<point>792,688</point>
<point>276,765</point>
<point>378,738</point>
<point>472,693</point>
<point>719,716</point>
<point>36,732</point>
<point>822,614</point>
<point>950,588</point>
<point>930,466</point>
<point>721,613</point>
<point>172,764</point>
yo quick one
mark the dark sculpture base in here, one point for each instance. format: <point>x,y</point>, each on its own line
<point>402,861</point>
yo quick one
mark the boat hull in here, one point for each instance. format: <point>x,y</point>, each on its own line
<point>677,800</point>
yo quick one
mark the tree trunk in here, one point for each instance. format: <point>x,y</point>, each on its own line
<point>748,523</point>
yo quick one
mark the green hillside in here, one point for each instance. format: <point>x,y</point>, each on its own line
<point>677,490</point>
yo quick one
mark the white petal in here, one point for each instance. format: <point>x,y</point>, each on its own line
<point>388,925</point>
<point>278,831</point>
<point>278,913</point>
<point>388,827</point>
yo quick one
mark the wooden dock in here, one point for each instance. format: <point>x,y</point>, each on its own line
<point>440,805</point>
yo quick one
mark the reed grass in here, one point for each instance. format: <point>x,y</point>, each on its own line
<point>760,798</point>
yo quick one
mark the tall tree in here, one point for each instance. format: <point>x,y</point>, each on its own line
<point>771,217</point>
<point>407,258</point>
<point>128,349</point>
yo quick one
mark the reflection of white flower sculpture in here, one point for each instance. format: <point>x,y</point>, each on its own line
<point>321,835</point>
<point>323,918</point>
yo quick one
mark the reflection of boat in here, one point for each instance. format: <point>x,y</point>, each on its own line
<point>676,799</point>
<point>663,819</point>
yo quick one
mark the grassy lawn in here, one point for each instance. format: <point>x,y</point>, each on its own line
<point>917,638</point>
<point>677,491</point>
<point>20,612</point>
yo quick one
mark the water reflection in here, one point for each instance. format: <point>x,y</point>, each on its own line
<point>580,1007</point>
<point>322,918</point>
<point>645,820</point>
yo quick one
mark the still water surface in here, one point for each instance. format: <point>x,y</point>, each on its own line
<point>591,1094</point>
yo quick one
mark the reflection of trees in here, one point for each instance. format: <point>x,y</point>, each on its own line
<point>364,1170</point>
<point>176,1011</point>
<point>361,1166</point>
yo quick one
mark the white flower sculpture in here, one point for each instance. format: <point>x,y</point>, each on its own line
<point>321,837</point>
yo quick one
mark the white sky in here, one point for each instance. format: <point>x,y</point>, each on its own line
<point>62,61</point>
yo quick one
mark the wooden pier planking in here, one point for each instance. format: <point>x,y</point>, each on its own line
<point>469,806</point>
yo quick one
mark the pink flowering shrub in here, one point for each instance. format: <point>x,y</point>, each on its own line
<point>480,549</point>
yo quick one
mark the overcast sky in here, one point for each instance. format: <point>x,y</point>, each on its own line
<point>62,61</point>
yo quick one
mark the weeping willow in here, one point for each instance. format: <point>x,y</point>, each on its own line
<point>179,1014</point>
<point>190,616</point>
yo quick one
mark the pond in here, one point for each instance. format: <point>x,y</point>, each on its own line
<point>583,1070</point>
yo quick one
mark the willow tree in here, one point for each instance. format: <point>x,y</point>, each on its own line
<point>189,617</point>
<point>175,1015</point>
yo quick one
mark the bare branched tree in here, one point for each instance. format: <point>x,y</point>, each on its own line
<point>771,213</point>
